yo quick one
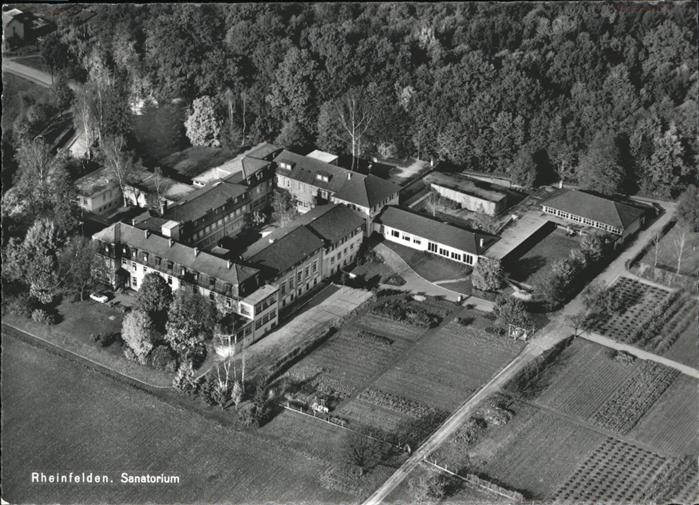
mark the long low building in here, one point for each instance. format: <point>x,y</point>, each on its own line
<point>595,211</point>
<point>425,234</point>
<point>132,253</point>
<point>471,194</point>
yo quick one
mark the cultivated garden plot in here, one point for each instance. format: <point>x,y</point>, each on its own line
<point>623,409</point>
<point>582,379</point>
<point>671,425</point>
<point>616,471</point>
<point>639,301</point>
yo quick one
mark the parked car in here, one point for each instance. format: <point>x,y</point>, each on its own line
<point>100,297</point>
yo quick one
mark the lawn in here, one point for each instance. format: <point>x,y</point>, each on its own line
<point>80,320</point>
<point>554,246</point>
<point>192,161</point>
<point>34,61</point>
<point>668,252</point>
<point>59,416</point>
<point>15,90</point>
<point>431,267</point>
<point>686,347</point>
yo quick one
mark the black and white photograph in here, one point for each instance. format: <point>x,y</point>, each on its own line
<point>359,253</point>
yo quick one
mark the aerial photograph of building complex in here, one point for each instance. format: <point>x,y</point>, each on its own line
<point>350,253</point>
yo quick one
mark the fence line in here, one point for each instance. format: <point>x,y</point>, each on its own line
<point>511,495</point>
<point>287,407</point>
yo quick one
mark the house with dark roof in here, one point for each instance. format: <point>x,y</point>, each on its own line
<point>292,262</point>
<point>425,234</point>
<point>312,181</point>
<point>132,253</point>
<point>335,229</point>
<point>595,211</point>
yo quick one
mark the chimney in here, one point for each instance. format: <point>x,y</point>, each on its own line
<point>146,233</point>
<point>230,264</point>
<point>117,232</point>
<point>271,240</point>
<point>481,242</point>
<point>171,242</point>
<point>133,222</point>
<point>349,175</point>
<point>196,252</point>
<point>163,207</point>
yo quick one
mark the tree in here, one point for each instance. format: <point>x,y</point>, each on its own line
<point>523,169</point>
<point>119,163</point>
<point>487,275</point>
<point>81,266</point>
<point>688,209</point>
<point>85,117</point>
<point>138,332</point>
<point>203,125</point>
<point>54,52</point>
<point>427,487</point>
<point>41,247</point>
<point>292,136</point>
<point>601,169</point>
<point>364,450</point>
<point>666,168</point>
<point>347,120</point>
<point>511,311</point>
<point>190,321</point>
<point>284,207</point>
<point>678,242</point>
<point>593,248</point>
<point>154,298</point>
<point>62,94</point>
<point>292,88</point>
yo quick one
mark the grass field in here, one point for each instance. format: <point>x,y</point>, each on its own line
<point>671,425</point>
<point>668,251</point>
<point>555,246</point>
<point>59,416</point>
<point>686,348</point>
<point>429,266</point>
<point>15,89</point>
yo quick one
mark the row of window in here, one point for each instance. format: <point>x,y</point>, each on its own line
<point>265,319</point>
<point>583,220</point>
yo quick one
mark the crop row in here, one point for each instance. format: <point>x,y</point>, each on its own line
<point>396,403</point>
<point>367,336</point>
<point>630,402</point>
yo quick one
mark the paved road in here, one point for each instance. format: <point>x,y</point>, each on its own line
<point>553,333</point>
<point>32,74</point>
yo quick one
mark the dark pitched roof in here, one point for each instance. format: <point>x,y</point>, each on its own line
<point>594,207</point>
<point>330,222</point>
<point>436,231</point>
<point>353,187</point>
<point>197,203</point>
<point>333,222</point>
<point>282,254</point>
<point>366,190</point>
<point>263,151</point>
<point>177,252</point>
<point>305,170</point>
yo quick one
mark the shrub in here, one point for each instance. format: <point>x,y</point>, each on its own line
<point>104,339</point>
<point>43,316</point>
<point>395,280</point>
<point>246,414</point>
<point>20,305</point>
<point>163,358</point>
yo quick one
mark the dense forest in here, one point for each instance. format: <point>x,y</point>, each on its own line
<point>599,94</point>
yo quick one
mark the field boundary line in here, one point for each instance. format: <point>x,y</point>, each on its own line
<point>445,470</point>
<point>337,425</point>
<point>639,353</point>
<point>80,356</point>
